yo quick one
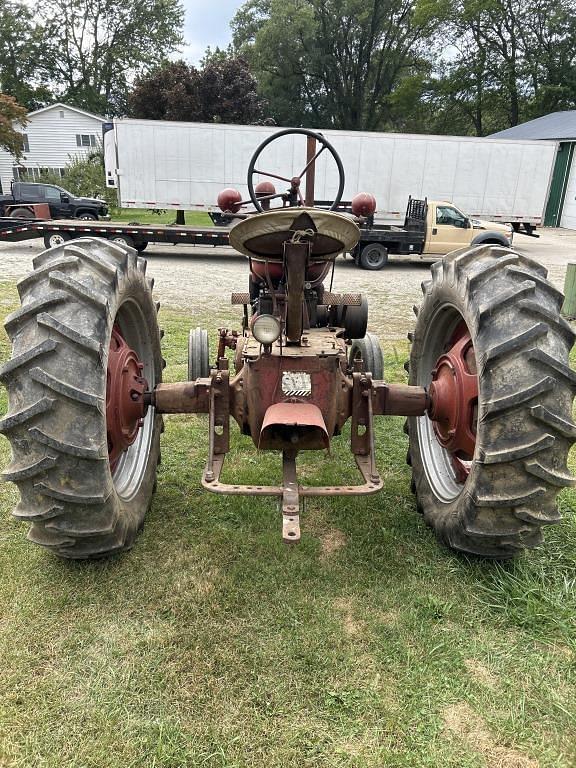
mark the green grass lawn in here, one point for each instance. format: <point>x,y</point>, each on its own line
<point>146,216</point>
<point>214,644</point>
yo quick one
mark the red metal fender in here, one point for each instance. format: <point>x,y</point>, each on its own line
<point>293,426</point>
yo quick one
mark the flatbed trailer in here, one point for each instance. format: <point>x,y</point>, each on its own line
<point>375,244</point>
<point>57,231</point>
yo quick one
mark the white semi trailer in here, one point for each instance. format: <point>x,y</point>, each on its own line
<point>174,165</point>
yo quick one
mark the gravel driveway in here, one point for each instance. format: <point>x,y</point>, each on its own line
<point>193,276</point>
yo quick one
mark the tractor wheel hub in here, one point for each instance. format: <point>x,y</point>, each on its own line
<point>454,397</point>
<point>125,388</point>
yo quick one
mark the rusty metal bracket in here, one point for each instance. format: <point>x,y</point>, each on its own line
<point>290,491</point>
<point>219,421</point>
<point>290,499</point>
<point>361,426</point>
<point>363,463</point>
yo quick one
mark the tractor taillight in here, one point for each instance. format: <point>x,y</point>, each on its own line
<point>266,329</point>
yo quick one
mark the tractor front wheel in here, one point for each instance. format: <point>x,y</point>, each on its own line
<point>86,345</point>
<point>369,351</point>
<point>492,349</point>
<point>198,355</point>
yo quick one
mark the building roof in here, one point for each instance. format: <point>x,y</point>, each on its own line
<point>60,105</point>
<point>557,125</point>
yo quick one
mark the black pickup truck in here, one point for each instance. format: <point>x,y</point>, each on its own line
<point>62,204</point>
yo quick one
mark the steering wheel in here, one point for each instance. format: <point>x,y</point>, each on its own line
<point>293,196</point>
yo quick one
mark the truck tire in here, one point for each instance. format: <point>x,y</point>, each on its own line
<point>79,504</point>
<point>198,355</point>
<point>22,213</point>
<point>54,239</point>
<point>124,241</point>
<point>87,216</point>
<point>369,350</point>
<point>498,309</point>
<point>373,256</point>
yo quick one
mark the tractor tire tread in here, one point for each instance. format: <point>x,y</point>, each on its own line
<point>56,383</point>
<point>524,434</point>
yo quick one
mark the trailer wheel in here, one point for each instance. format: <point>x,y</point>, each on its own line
<point>54,239</point>
<point>368,349</point>
<point>84,453</point>
<point>492,349</point>
<point>373,256</point>
<point>22,213</point>
<point>124,241</point>
<point>198,355</point>
<point>141,245</point>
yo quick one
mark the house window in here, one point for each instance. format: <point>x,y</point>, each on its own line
<point>21,173</point>
<point>85,140</point>
<point>25,143</point>
<point>61,114</point>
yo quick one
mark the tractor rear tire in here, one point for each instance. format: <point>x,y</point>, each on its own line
<point>369,350</point>
<point>198,355</point>
<point>524,426</point>
<point>79,507</point>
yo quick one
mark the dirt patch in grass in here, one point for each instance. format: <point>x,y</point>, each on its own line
<point>351,625</point>
<point>461,721</point>
<point>480,673</point>
<point>331,542</point>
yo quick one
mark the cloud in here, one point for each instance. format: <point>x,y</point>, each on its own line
<point>207,25</point>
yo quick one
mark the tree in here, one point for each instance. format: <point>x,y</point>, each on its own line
<point>169,92</point>
<point>228,91</point>
<point>94,48</point>
<point>223,91</point>
<point>549,39</point>
<point>335,63</point>
<point>11,112</point>
<point>20,53</point>
<point>506,61</point>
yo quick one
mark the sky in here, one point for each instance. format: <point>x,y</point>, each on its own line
<point>207,24</point>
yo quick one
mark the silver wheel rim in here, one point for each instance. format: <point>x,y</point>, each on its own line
<point>55,240</point>
<point>437,461</point>
<point>131,466</point>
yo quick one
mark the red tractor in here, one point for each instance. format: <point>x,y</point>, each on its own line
<point>488,403</point>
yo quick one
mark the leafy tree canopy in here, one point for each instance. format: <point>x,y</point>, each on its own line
<point>462,66</point>
<point>84,52</point>
<point>222,90</point>
<point>11,113</point>
<point>335,63</point>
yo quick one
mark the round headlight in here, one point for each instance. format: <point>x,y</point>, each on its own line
<point>266,329</point>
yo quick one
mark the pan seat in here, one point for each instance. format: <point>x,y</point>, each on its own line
<point>262,237</point>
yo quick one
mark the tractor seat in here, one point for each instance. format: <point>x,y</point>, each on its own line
<point>263,235</point>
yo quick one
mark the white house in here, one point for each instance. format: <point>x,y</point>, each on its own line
<point>52,136</point>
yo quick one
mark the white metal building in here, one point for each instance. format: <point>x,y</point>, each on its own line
<point>52,136</point>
